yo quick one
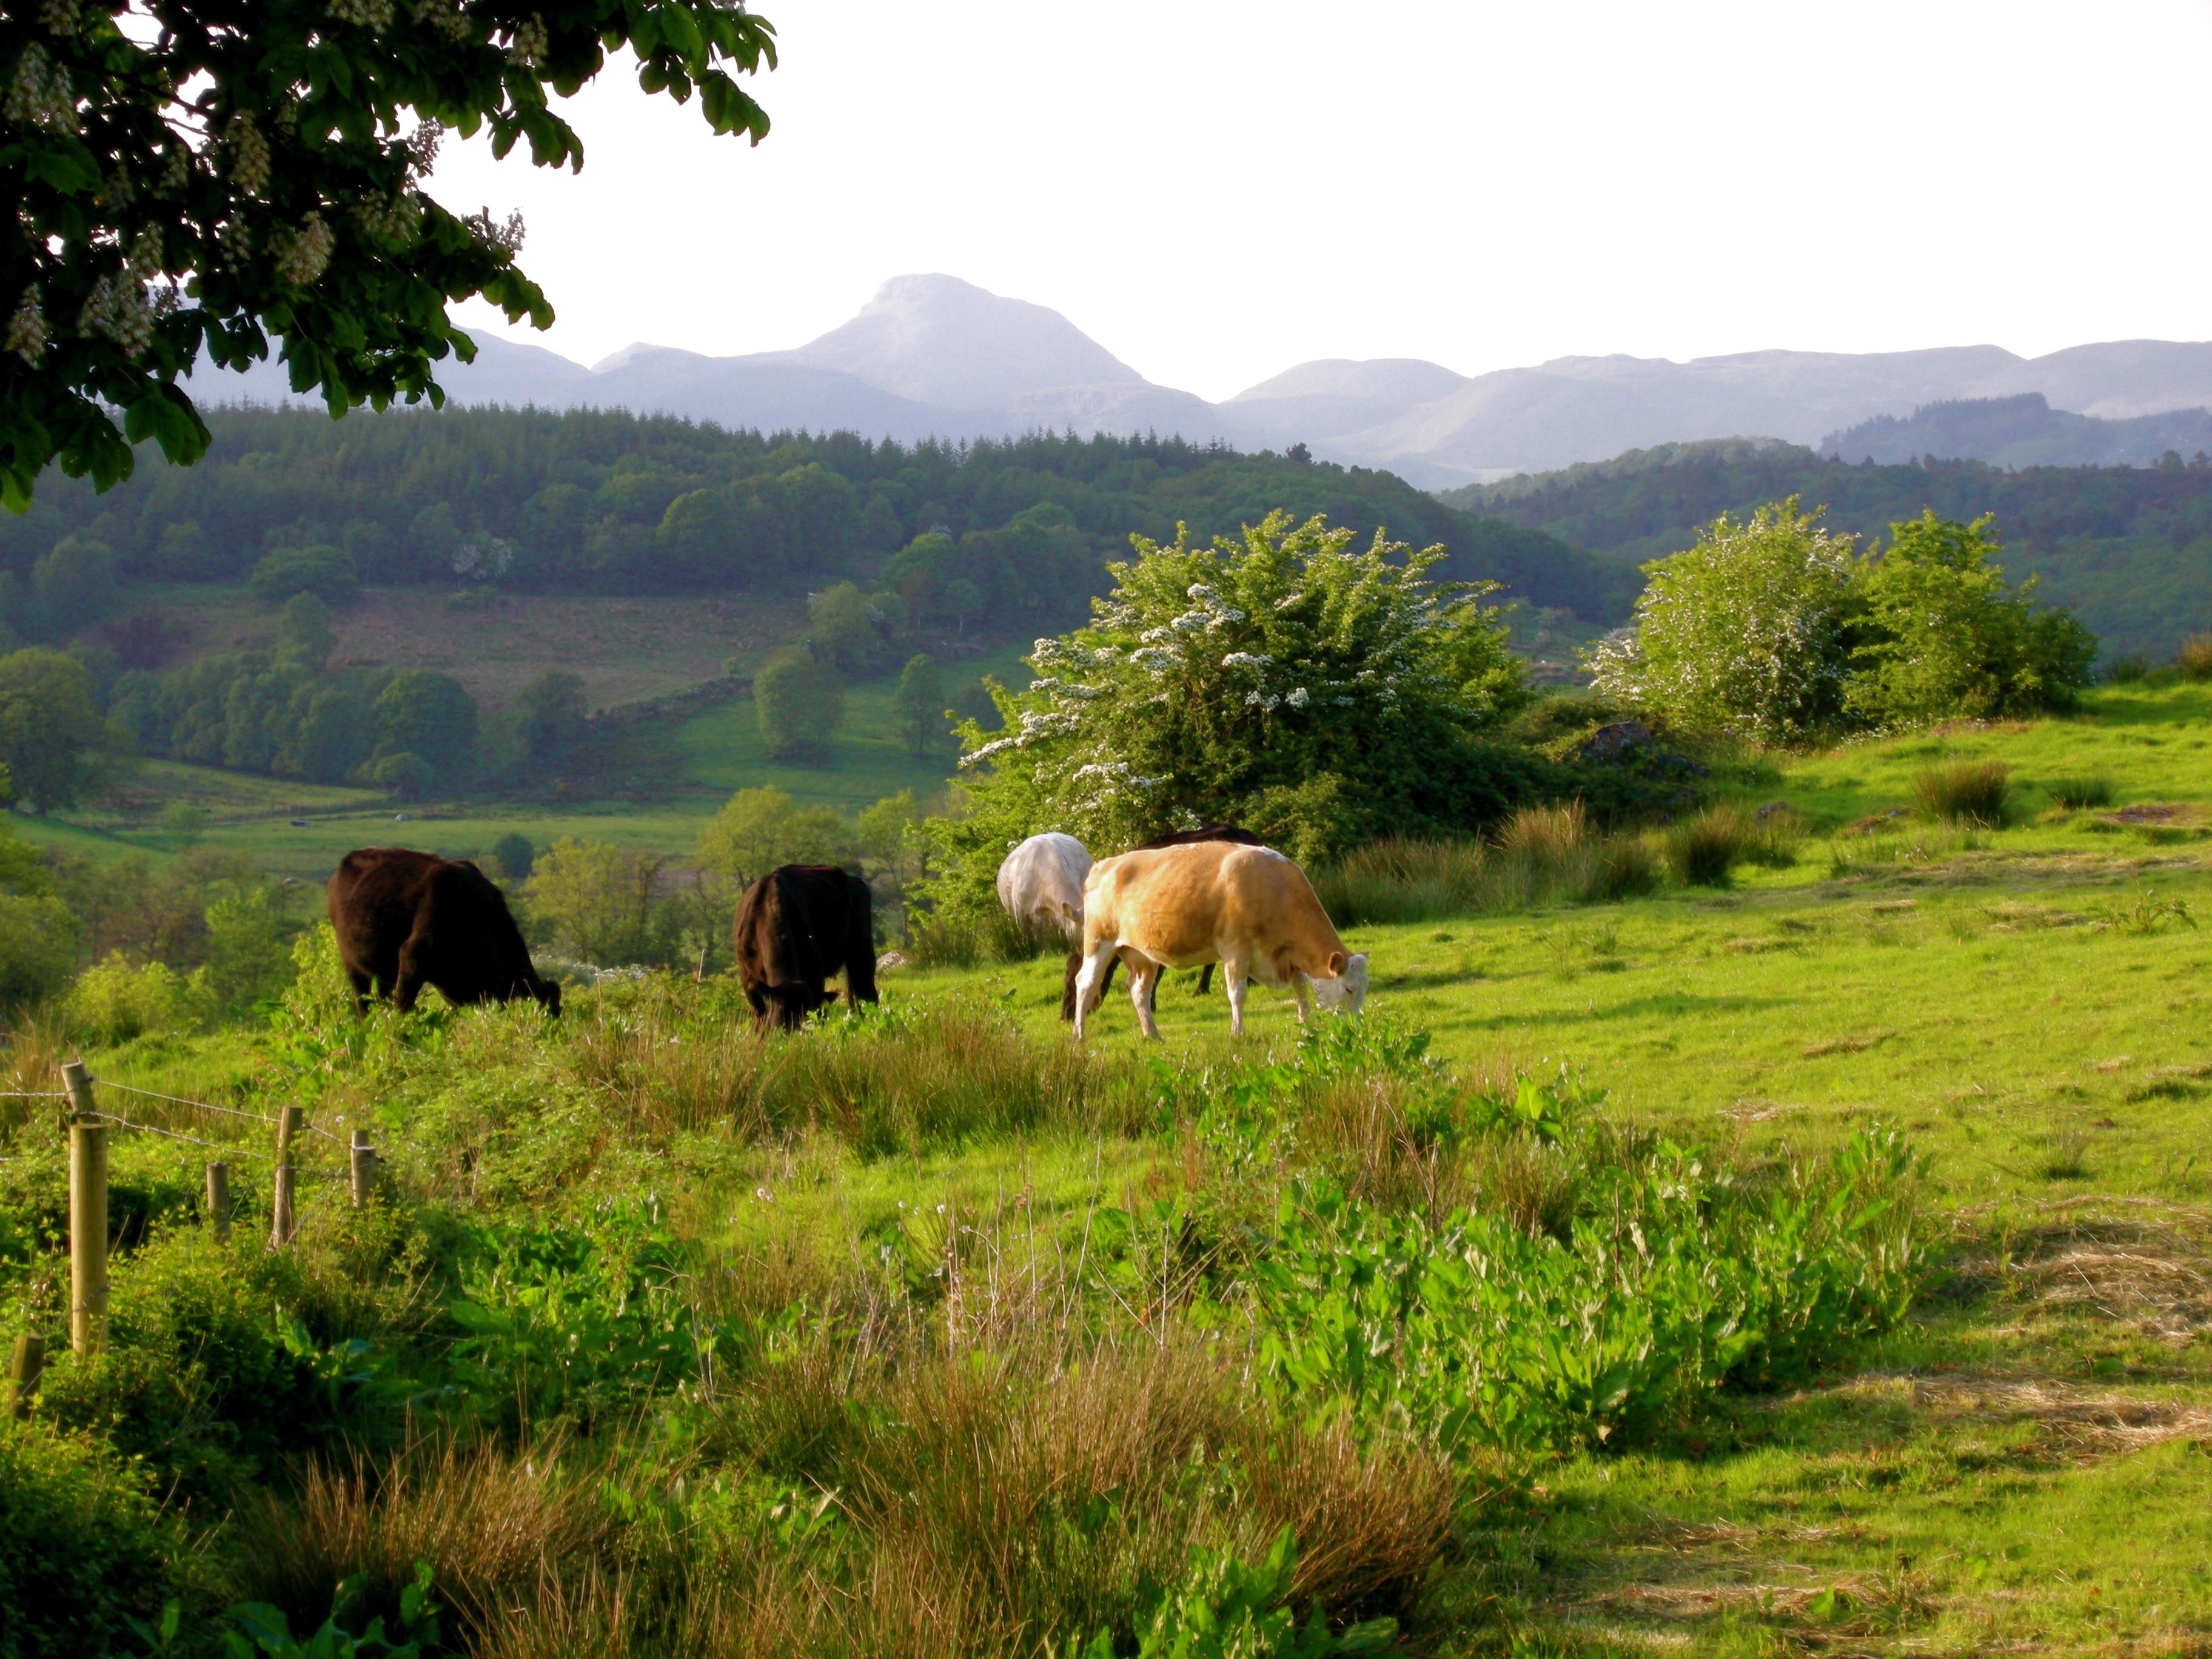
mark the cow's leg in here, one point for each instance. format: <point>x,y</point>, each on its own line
<point>1067,985</point>
<point>363,985</point>
<point>414,973</point>
<point>1301,988</point>
<point>1090,983</point>
<point>1205,979</point>
<point>1234,979</point>
<point>1143,982</point>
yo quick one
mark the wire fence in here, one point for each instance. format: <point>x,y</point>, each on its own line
<point>171,1134</point>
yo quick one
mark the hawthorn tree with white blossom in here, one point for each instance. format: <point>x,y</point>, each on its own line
<point>193,176</point>
<point>1314,693</point>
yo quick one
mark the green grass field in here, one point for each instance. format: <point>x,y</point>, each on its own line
<point>2021,1467</point>
<point>695,767</point>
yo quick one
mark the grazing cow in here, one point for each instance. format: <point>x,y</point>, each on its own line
<point>1042,881</point>
<point>796,926</point>
<point>405,920</point>
<point>1248,908</point>
<point>1227,832</point>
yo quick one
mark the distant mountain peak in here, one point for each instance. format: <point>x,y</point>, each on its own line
<point>939,340</point>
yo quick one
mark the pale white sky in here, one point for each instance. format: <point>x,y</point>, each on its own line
<point>1215,190</point>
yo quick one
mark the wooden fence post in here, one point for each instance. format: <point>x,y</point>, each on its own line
<point>23,1368</point>
<point>218,1201</point>
<point>288,1130</point>
<point>363,1160</point>
<point>88,1218</point>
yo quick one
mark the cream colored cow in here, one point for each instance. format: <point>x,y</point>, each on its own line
<point>1041,880</point>
<point>1248,908</point>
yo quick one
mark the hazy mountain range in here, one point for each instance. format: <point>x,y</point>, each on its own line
<point>934,355</point>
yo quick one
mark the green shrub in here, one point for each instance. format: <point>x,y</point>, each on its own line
<point>82,1549</point>
<point>1476,1333</point>
<point>1973,793</point>
<point>328,572</point>
<point>1703,850</point>
<point>115,1000</point>
<point>2127,669</point>
<point>2194,659</point>
<point>2079,794</point>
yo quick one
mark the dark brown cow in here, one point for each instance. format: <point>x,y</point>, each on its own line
<point>796,926</point>
<point>1181,838</point>
<point>405,920</point>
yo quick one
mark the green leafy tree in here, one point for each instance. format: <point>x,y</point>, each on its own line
<point>184,822</point>
<point>249,946</point>
<point>403,775</point>
<point>963,599</point>
<point>304,632</point>
<point>195,187</point>
<point>327,572</point>
<point>596,902</point>
<point>515,855</point>
<point>1749,629</point>
<point>1950,636</point>
<point>918,707</point>
<point>550,715</point>
<point>800,703</point>
<point>75,585</point>
<point>1318,695</point>
<point>757,830</point>
<point>53,742</point>
<point>428,715</point>
<point>841,625</point>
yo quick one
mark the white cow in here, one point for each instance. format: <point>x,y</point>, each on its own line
<point>1041,880</point>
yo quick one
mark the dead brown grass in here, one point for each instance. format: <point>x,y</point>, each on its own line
<point>491,1523</point>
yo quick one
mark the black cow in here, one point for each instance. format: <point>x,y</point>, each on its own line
<point>1181,838</point>
<point>796,926</point>
<point>405,920</point>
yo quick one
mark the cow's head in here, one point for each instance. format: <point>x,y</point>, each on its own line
<point>1344,985</point>
<point>548,993</point>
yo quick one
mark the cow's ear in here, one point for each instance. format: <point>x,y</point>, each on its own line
<point>1337,964</point>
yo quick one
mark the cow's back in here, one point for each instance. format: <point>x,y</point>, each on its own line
<point>1044,876</point>
<point>1180,903</point>
<point>374,895</point>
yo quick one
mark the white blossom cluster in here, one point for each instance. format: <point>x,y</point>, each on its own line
<point>484,558</point>
<point>394,221</point>
<point>375,16</point>
<point>38,94</point>
<point>27,333</point>
<point>445,16</point>
<point>486,230</point>
<point>249,155</point>
<point>302,256</point>
<point>117,307</point>
<point>530,42</point>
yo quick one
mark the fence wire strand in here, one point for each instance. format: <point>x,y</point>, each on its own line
<point>179,1100</point>
<point>171,1134</point>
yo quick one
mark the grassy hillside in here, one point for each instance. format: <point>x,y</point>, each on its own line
<point>2015,1465</point>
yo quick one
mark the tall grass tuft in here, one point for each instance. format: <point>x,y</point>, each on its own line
<point>1703,849</point>
<point>1974,793</point>
<point>1543,856</point>
<point>1399,880</point>
<point>2127,670</point>
<point>2079,794</point>
<point>2194,659</point>
<point>969,939</point>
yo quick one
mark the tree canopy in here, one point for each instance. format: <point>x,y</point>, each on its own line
<point>1774,628</point>
<point>240,170</point>
<point>1317,693</point>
